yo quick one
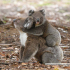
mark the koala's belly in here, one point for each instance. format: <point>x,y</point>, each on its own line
<point>23,38</point>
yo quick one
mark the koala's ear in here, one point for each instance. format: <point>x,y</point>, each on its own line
<point>42,11</point>
<point>30,12</point>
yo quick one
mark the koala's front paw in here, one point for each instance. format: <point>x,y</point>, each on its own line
<point>28,22</point>
<point>27,26</point>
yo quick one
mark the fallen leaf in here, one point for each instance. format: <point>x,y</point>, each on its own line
<point>24,63</point>
<point>2,54</point>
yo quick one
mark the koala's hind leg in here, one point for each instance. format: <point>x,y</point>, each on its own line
<point>29,52</point>
<point>21,52</point>
<point>52,55</point>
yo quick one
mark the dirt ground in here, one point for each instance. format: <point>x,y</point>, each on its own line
<point>57,15</point>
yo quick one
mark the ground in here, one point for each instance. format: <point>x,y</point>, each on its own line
<point>58,15</point>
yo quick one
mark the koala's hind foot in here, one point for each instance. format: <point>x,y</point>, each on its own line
<point>54,56</point>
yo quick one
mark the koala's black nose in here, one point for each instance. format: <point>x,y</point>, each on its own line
<point>38,20</point>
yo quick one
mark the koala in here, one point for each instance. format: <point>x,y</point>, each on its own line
<point>43,28</point>
<point>31,37</point>
<point>23,35</point>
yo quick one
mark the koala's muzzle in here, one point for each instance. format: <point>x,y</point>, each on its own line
<point>37,22</point>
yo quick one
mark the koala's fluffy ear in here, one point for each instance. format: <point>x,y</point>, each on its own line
<point>31,12</point>
<point>42,11</point>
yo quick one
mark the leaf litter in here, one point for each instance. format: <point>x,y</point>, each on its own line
<point>57,15</point>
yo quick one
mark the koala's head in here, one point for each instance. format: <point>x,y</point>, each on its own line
<point>38,17</point>
<point>18,23</point>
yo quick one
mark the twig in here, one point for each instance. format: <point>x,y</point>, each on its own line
<point>8,44</point>
<point>5,44</point>
<point>57,63</point>
<point>10,62</point>
<point>4,63</point>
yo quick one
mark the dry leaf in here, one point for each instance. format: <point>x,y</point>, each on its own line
<point>24,63</point>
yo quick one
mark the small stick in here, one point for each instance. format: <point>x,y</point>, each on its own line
<point>57,63</point>
<point>10,62</point>
<point>5,44</point>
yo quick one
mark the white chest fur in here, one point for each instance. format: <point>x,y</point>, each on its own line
<point>23,38</point>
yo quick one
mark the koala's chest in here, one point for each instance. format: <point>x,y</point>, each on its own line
<point>23,38</point>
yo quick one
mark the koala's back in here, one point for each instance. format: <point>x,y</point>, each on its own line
<point>52,35</point>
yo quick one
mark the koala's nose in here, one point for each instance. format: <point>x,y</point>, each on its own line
<point>38,19</point>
